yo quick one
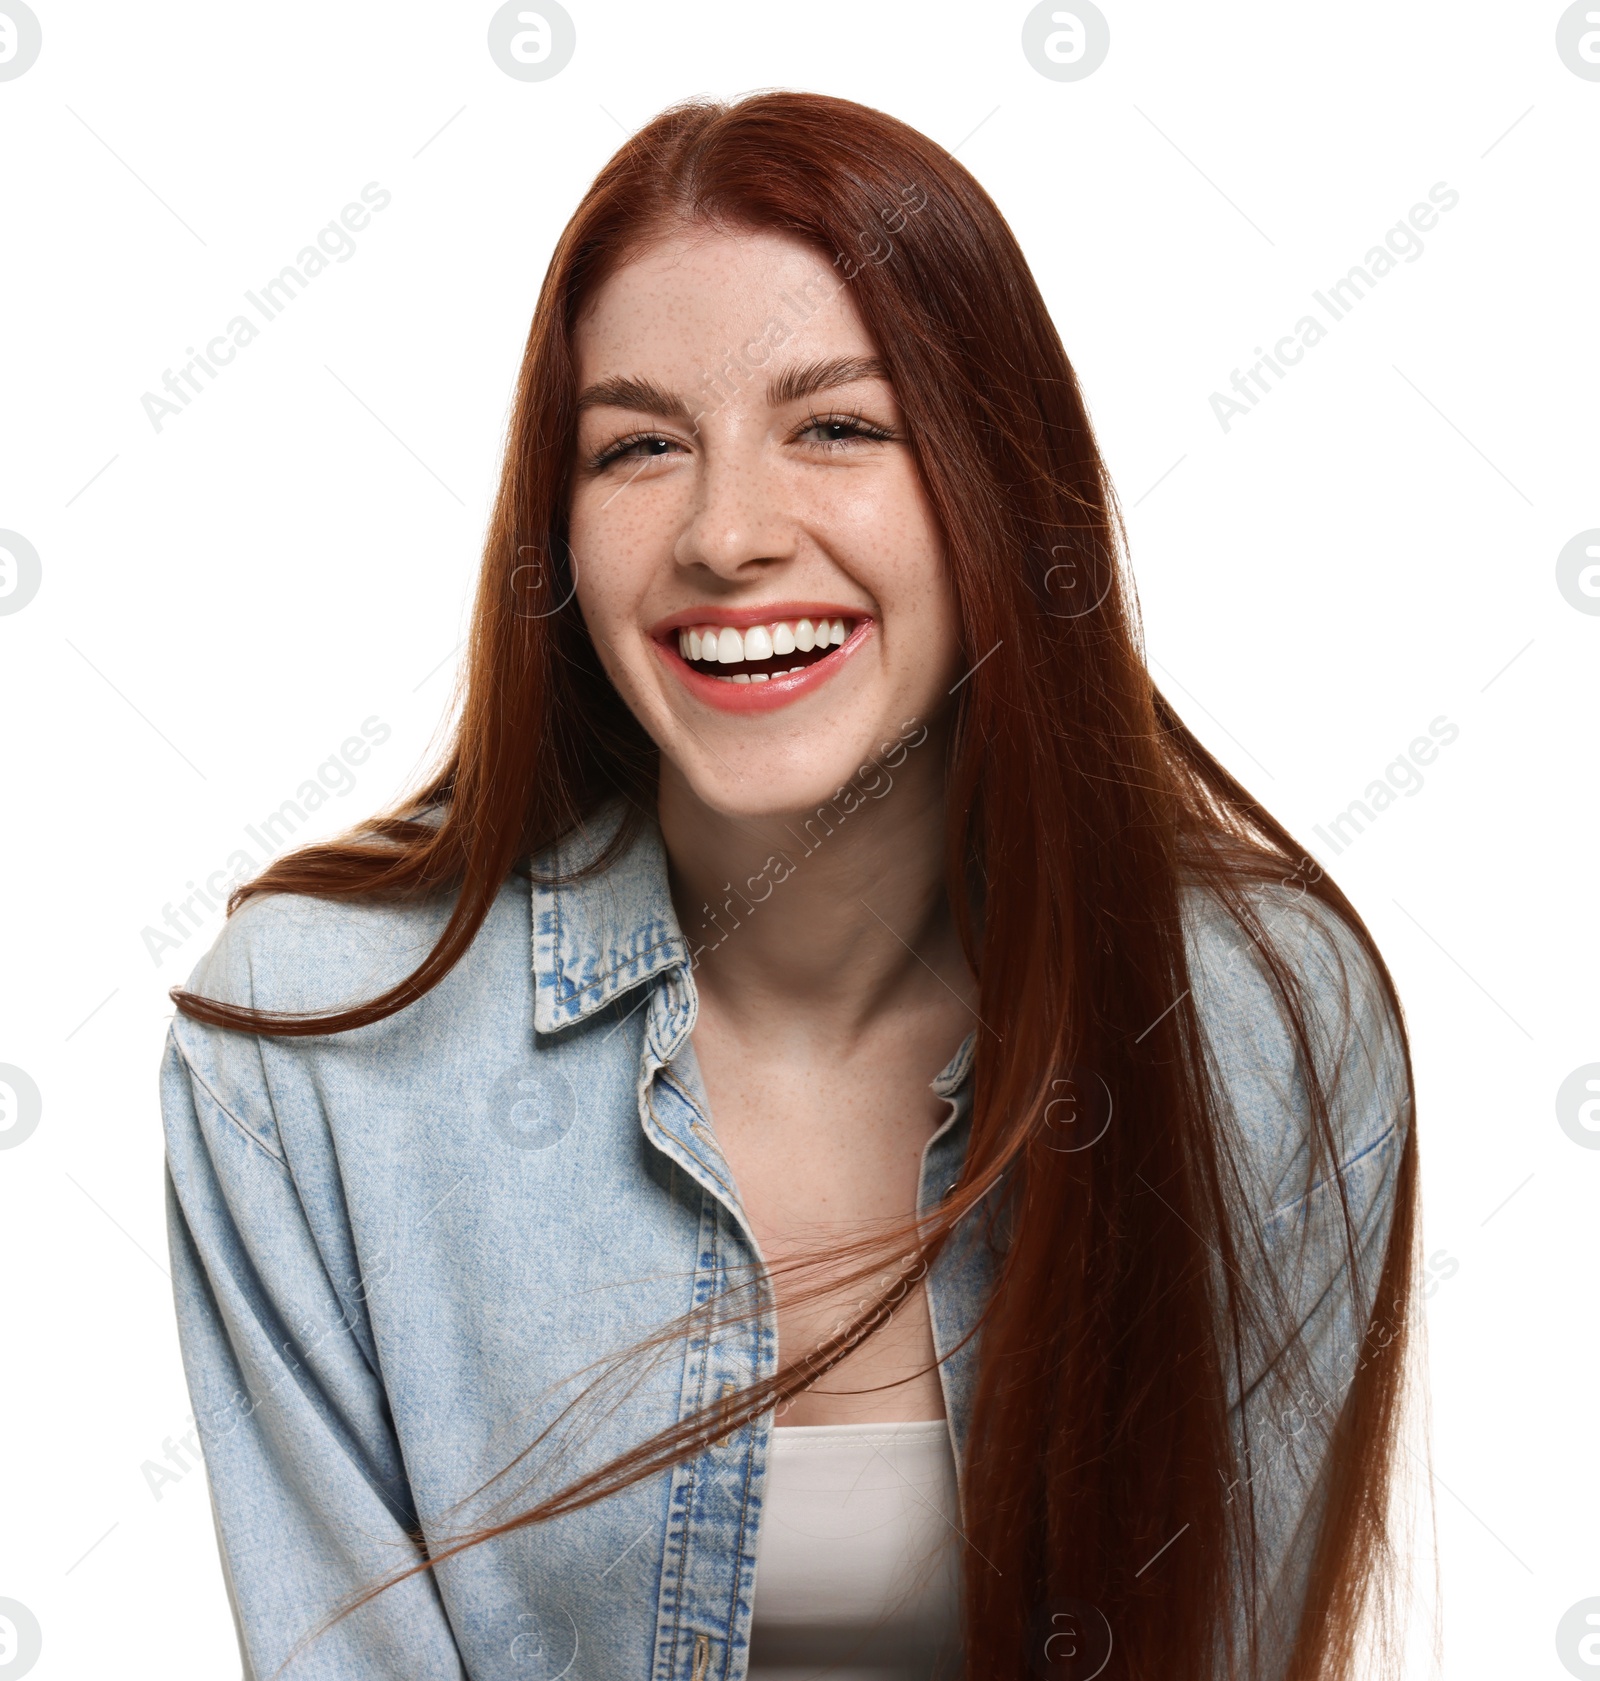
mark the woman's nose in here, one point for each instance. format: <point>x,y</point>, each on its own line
<point>739,519</point>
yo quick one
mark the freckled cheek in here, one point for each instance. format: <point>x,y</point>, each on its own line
<point>893,549</point>
<point>922,639</point>
<point>885,509</point>
<point>620,551</point>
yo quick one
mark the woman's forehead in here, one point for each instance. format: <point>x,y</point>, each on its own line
<point>706,295</point>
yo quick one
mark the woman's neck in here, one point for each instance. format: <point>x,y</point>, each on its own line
<point>823,918</point>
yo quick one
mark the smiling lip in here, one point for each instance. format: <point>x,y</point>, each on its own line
<point>777,690</point>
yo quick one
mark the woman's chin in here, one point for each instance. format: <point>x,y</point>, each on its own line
<point>789,795</point>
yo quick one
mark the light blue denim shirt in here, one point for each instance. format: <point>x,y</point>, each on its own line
<point>396,1249</point>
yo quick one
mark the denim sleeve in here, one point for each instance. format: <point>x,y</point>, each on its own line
<point>307,1483</point>
<point>1283,1426</point>
<point>1297,1269</point>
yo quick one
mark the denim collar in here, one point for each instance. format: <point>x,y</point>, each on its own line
<point>602,935</point>
<point>599,937</point>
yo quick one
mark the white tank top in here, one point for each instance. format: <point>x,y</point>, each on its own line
<point>859,1555</point>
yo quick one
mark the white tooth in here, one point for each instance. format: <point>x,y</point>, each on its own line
<point>783,639</point>
<point>730,645</point>
<point>758,676</point>
<point>838,632</point>
<point>758,643</point>
<point>693,640</point>
<point>804,636</point>
<point>724,679</point>
<point>740,677</point>
<point>683,643</point>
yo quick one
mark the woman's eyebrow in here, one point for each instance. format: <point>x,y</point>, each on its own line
<point>807,378</point>
<point>622,391</point>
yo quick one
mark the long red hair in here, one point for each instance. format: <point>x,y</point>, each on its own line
<point>1080,808</point>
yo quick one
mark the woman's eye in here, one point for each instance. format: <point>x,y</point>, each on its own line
<point>842,429</point>
<point>645,447</point>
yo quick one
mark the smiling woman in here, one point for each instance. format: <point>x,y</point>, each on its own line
<point>949,1222</point>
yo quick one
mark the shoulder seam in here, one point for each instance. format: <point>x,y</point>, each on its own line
<point>1389,1132</point>
<point>205,1085</point>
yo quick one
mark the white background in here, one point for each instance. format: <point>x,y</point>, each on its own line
<point>225,600</point>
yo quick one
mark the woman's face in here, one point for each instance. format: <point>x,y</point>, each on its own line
<point>756,559</point>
